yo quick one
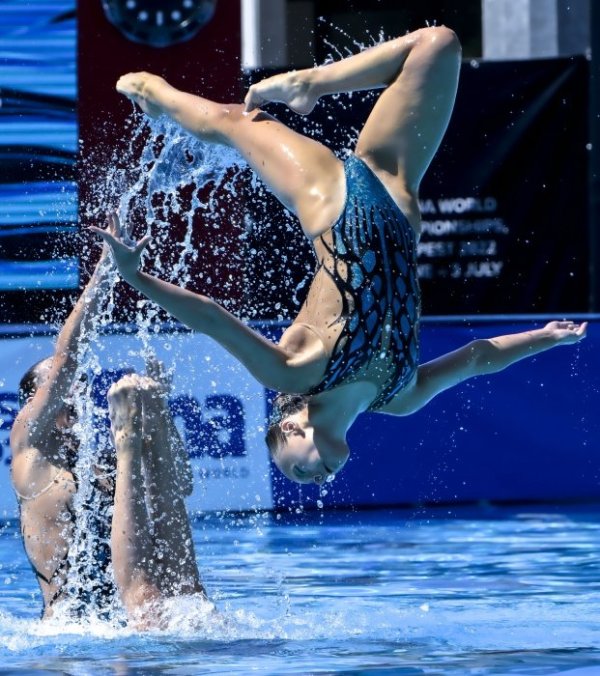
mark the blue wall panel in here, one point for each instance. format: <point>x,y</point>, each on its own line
<point>38,149</point>
<point>529,433</point>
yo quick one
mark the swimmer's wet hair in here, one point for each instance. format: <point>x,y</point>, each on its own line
<point>30,382</point>
<point>284,405</point>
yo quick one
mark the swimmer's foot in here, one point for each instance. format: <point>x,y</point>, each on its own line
<point>295,89</point>
<point>142,88</point>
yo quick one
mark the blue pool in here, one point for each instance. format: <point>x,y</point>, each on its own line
<point>438,592</point>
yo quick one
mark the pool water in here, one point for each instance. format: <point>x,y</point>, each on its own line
<point>392,592</point>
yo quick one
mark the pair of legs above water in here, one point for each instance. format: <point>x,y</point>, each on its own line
<point>151,539</point>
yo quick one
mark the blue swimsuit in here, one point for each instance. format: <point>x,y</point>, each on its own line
<point>372,262</point>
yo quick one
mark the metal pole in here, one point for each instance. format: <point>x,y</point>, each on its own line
<point>264,34</point>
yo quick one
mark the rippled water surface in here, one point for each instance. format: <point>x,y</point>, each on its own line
<point>363,593</point>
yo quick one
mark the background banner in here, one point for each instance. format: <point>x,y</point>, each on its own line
<point>527,434</point>
<point>505,207</point>
<point>504,202</point>
<point>219,410</point>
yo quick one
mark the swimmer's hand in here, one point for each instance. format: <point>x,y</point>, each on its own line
<point>141,88</point>
<point>566,333</point>
<point>156,371</point>
<point>125,251</point>
<point>295,89</point>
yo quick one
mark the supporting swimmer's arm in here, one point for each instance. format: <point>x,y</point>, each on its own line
<point>481,357</point>
<point>39,414</point>
<point>80,318</point>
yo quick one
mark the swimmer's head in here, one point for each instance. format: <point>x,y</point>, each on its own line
<point>32,379</point>
<point>29,385</point>
<point>105,462</point>
<point>290,438</point>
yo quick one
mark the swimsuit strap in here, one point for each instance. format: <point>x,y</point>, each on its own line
<point>44,490</point>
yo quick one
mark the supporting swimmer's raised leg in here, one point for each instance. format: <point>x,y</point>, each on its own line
<point>172,533</point>
<point>152,549</point>
<point>131,542</point>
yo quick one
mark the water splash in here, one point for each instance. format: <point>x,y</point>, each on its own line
<point>163,175</point>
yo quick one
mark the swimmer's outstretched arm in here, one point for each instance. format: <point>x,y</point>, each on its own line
<point>271,365</point>
<point>481,357</point>
<point>38,416</point>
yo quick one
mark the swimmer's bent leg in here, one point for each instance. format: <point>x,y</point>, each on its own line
<point>303,174</point>
<point>408,122</point>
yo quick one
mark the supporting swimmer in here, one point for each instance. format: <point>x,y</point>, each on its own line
<point>44,455</point>
<point>142,513</point>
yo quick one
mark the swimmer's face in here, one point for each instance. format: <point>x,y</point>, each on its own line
<point>299,459</point>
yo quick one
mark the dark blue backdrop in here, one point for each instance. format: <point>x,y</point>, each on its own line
<point>529,433</point>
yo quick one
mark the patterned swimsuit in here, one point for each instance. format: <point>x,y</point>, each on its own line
<point>372,262</point>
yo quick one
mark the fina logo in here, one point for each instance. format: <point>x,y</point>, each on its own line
<point>214,428</point>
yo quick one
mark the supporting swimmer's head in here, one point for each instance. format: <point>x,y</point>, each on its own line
<point>290,438</point>
<point>105,461</point>
<point>32,379</point>
<point>29,385</point>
